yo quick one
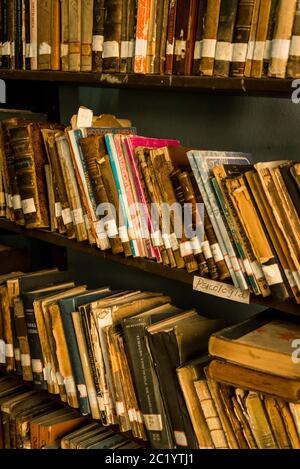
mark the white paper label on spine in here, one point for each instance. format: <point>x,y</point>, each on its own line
<point>131,47</point>
<point>196,245</point>
<point>239,52</point>
<point>37,366</point>
<point>70,385</point>
<point>216,252</point>
<point>59,378</point>
<point>290,278</point>
<point>250,50</point>
<point>16,202</point>
<point>124,49</point>
<point>120,408</point>
<point>98,43</point>
<point>155,237</point>
<point>6,48</point>
<point>186,249</point>
<point>180,438</point>
<point>66,216</point>
<point>206,250</point>
<point>267,50</point>
<point>12,49</point>
<point>272,274</point>
<point>2,352</point>
<point>224,51</point>
<point>44,49</point>
<point>259,50</point>
<point>64,50</point>
<point>295,46</point>
<point>100,230</point>
<point>170,48</point>
<point>17,354</point>
<point>33,50</point>
<point>221,290</point>
<point>111,228</point>
<point>141,47</point>
<point>82,390</point>
<point>280,49</point>
<point>153,422</point>
<point>123,233</point>
<point>174,241</point>
<point>257,270</point>
<point>166,240</point>
<point>28,206</point>
<point>180,47</point>
<point>209,48</point>
<point>27,51</point>
<point>58,209</point>
<point>110,49</point>
<point>9,201</point>
<point>25,359</point>
<point>77,216</point>
<point>84,117</point>
<point>9,351</point>
<point>197,50</point>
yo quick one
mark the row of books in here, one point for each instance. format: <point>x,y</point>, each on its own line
<point>96,350</point>
<point>210,212</point>
<point>181,37</point>
<point>30,420</point>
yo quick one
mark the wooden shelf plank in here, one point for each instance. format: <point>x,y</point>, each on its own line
<point>141,264</point>
<point>238,86</point>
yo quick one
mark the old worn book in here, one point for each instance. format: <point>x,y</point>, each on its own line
<point>185,31</point>
<point>199,37</point>
<point>223,55</point>
<point>143,13</point>
<point>246,378</point>
<point>55,34</point>
<point>168,353</point>
<point>295,172</point>
<point>259,423</point>
<point>282,38</point>
<point>241,37</point>
<point>226,396</point>
<point>64,35</point>
<point>112,36</point>
<point>161,41</point>
<point>270,33</point>
<point>210,37</point>
<point>188,376</point>
<point>132,6</point>
<point>18,40</point>
<point>98,34</point>
<point>152,31</point>
<point>74,35</point>
<point>276,422</point>
<point>293,65</point>
<point>263,343</point>
<point>44,26</point>
<point>86,35</point>
<point>291,185</point>
<point>260,38</point>
<point>170,46</point>
<point>5,56</point>
<point>289,423</point>
<point>252,36</point>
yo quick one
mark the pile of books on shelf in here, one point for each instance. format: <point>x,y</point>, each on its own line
<point>182,37</point>
<point>212,213</point>
<point>96,350</point>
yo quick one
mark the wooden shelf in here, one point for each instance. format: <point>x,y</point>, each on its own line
<point>140,264</point>
<point>237,86</point>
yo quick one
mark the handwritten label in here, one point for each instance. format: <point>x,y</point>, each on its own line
<point>222,290</point>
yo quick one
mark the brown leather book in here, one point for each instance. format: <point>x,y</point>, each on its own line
<point>282,38</point>
<point>112,36</point>
<point>191,36</point>
<point>277,424</point>
<point>64,47</point>
<point>181,34</point>
<point>158,18</point>
<point>124,46</point>
<point>210,37</point>
<point>86,35</point>
<point>199,36</point>
<point>295,172</point>
<point>270,33</point>
<point>252,37</point>
<point>74,35</point>
<point>163,42</point>
<point>226,394</point>
<point>293,66</point>
<point>131,26</point>
<point>55,35</point>
<point>93,149</point>
<point>289,423</point>
<point>44,26</point>
<point>98,35</point>
<point>241,37</point>
<point>151,39</point>
<point>170,47</point>
<point>223,56</point>
<point>260,39</point>
<point>7,329</point>
<point>29,162</point>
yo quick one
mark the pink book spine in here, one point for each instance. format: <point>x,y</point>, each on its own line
<point>137,141</point>
<point>140,192</point>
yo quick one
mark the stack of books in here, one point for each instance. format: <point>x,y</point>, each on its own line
<point>182,37</point>
<point>210,212</point>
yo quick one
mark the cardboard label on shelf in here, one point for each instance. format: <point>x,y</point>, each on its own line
<point>221,290</point>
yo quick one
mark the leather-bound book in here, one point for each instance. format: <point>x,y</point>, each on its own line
<point>132,6</point>
<point>260,38</point>
<point>124,46</point>
<point>223,57</point>
<point>44,27</point>
<point>98,34</point>
<point>282,38</point>
<point>210,37</point>
<point>199,36</point>
<point>5,57</point>
<point>151,38</point>
<point>18,43</point>
<point>181,33</point>
<point>293,66</point>
<point>74,35</point>
<point>252,36</point>
<point>33,35</point>
<point>277,424</point>
<point>11,33</point>
<point>159,16</point>
<point>270,33</point>
<point>64,47</point>
<point>55,35</point>
<point>291,185</point>
<point>170,48</point>
<point>163,42</point>
<point>26,22</point>
<point>241,37</point>
<point>86,35</point>
<point>295,172</point>
<point>29,162</point>
<point>191,36</point>
<point>143,14</point>
<point>112,36</point>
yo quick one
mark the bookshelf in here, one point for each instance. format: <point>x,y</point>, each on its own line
<point>140,264</point>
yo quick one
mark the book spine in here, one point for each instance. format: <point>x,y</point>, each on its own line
<point>131,21</point>
<point>86,35</point>
<point>241,37</point>
<point>33,35</point>
<point>260,39</point>
<point>35,349</point>
<point>64,47</point>
<point>181,32</point>
<point>55,34</point>
<point>5,58</point>
<point>199,37</point>
<point>11,32</point>
<point>210,37</point>
<point>159,17</point>
<point>191,36</point>
<point>163,43</point>
<point>151,38</point>
<point>44,27</point>
<point>223,56</point>
<point>98,35</point>
<point>270,33</point>
<point>282,38</point>
<point>74,35</point>
<point>124,46</point>
<point>18,35</point>
<point>141,41</point>
<point>170,47</point>
<point>112,36</point>
<point>27,15</point>
<point>293,66</point>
